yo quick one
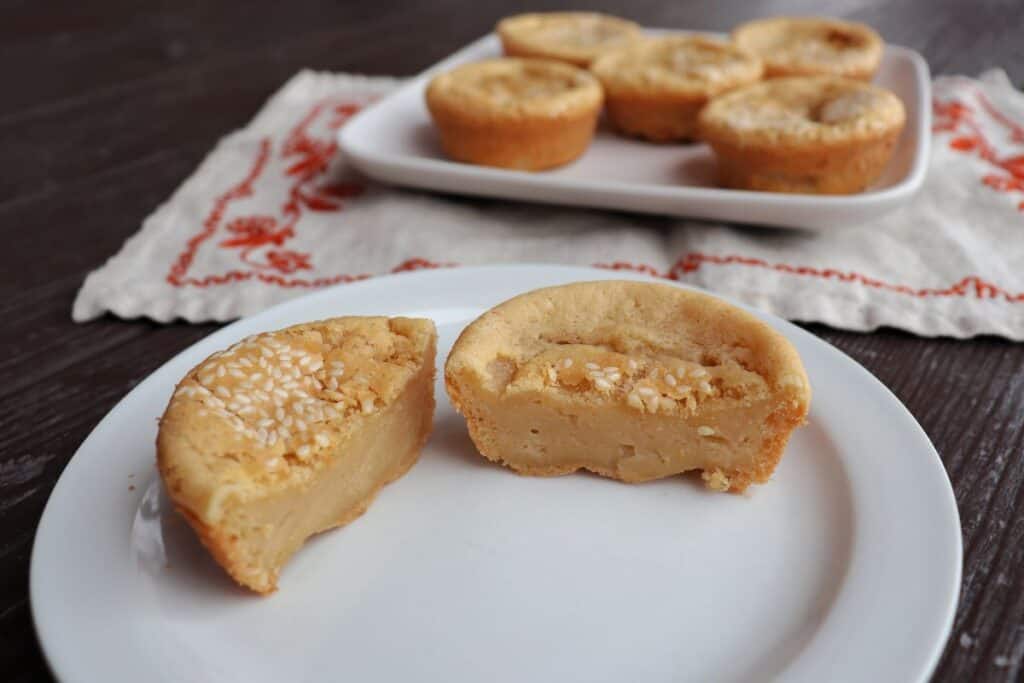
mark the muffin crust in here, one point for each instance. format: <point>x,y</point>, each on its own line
<point>656,88</point>
<point>573,37</point>
<point>807,46</point>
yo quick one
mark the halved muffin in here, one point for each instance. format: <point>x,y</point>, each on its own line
<point>810,46</point>
<point>290,433</point>
<point>819,135</point>
<point>631,380</point>
<point>656,88</point>
<point>574,37</point>
<point>528,114</point>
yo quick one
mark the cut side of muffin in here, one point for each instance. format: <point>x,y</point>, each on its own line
<point>815,135</point>
<point>574,37</point>
<point>527,114</point>
<point>631,380</point>
<point>812,46</point>
<point>290,433</point>
<point>655,89</point>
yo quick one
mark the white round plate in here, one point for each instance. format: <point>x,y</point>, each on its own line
<point>845,567</point>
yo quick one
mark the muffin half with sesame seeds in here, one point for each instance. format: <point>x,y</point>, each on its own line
<point>290,433</point>
<point>631,380</point>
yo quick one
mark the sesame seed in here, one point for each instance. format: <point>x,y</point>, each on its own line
<point>552,375</point>
<point>281,392</point>
<point>265,423</point>
<point>304,361</point>
<point>704,430</point>
<point>316,364</point>
<point>633,365</point>
<point>234,407</point>
<point>567,363</point>
<point>223,392</point>
<point>261,395</point>
<point>256,376</point>
<point>366,405</point>
<point>602,383</point>
<point>303,451</point>
<point>284,433</point>
<point>670,379</point>
<point>279,414</point>
<point>698,373</point>
<point>646,391</point>
<point>592,366</point>
<point>243,398</point>
<point>322,439</point>
<point>332,383</point>
<point>261,435</point>
<point>652,403</point>
<point>272,437</point>
<point>203,413</point>
<point>705,387</point>
<point>301,424</point>
<point>287,421</point>
<point>221,371</point>
<point>262,362</point>
<point>236,373</point>
<point>245,362</point>
<point>268,385</point>
<point>206,379</point>
<point>245,410</point>
<point>634,400</point>
<point>611,368</point>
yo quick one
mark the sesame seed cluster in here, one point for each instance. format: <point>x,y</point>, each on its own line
<point>651,386</point>
<point>282,391</point>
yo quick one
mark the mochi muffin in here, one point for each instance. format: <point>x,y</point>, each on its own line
<point>290,433</point>
<point>631,380</point>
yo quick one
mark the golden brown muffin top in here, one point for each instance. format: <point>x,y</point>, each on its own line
<point>810,46</point>
<point>802,110</point>
<point>514,88</point>
<point>272,408</point>
<point>685,65</point>
<point>653,347</point>
<point>576,37</point>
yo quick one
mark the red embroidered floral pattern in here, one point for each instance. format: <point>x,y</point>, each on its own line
<point>258,239</point>
<point>960,118</point>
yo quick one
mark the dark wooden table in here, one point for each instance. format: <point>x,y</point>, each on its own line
<point>107,106</point>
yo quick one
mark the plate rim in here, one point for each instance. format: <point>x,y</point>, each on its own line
<point>365,158</point>
<point>47,627</point>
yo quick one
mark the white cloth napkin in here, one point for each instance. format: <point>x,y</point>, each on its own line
<point>273,212</point>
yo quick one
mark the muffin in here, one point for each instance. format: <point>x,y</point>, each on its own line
<point>527,114</point>
<point>656,88</point>
<point>818,135</point>
<point>631,380</point>
<point>806,46</point>
<point>291,433</point>
<point>573,37</point>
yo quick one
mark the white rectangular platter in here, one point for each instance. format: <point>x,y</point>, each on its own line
<point>394,141</point>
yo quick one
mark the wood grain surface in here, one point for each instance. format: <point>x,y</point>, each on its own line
<point>108,105</point>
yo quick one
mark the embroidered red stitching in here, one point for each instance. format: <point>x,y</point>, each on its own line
<point>971,285</point>
<point>249,233</point>
<point>957,117</point>
<point>176,276</point>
